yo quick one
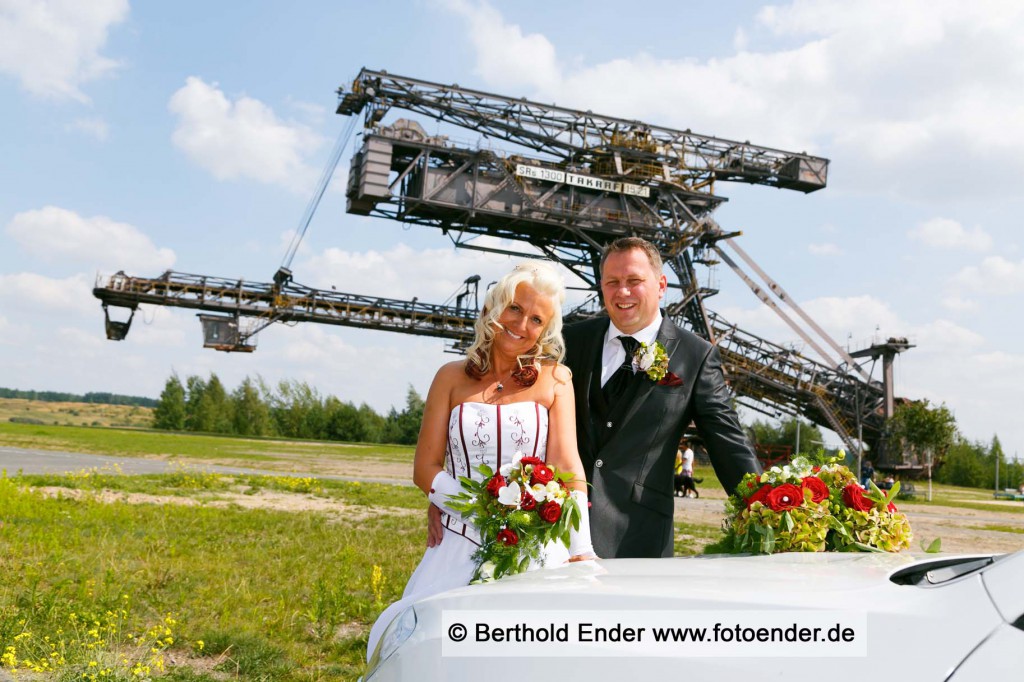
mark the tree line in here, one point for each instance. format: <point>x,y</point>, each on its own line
<point>92,397</point>
<point>920,429</point>
<point>292,409</point>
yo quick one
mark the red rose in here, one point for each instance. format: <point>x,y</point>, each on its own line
<point>507,536</point>
<point>550,511</point>
<point>531,460</point>
<point>853,497</point>
<point>541,475</point>
<point>496,483</point>
<point>819,491</point>
<point>759,496</point>
<point>527,503</point>
<point>786,496</point>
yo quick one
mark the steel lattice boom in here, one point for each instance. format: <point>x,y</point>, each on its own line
<point>612,146</point>
<point>578,182</point>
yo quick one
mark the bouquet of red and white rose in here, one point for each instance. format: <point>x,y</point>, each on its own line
<point>517,511</point>
<point>809,507</point>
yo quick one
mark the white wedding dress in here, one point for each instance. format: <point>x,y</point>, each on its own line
<point>478,433</point>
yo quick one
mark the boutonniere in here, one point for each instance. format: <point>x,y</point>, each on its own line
<point>652,360</point>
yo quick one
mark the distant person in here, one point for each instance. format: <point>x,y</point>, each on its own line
<point>685,484</point>
<point>867,473</point>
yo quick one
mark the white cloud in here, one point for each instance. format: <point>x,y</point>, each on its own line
<point>944,233</point>
<point>959,304</point>
<point>826,249</point>
<point>242,138</point>
<point>53,46</point>
<point>100,243</point>
<point>853,322</point>
<point>32,293</point>
<point>943,336</point>
<point>996,275</point>
<point>902,92</point>
<point>953,376</point>
<point>521,61</point>
<point>93,127</point>
<point>401,272</point>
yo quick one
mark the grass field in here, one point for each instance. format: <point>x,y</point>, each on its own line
<point>75,414</point>
<point>198,592</point>
<point>290,455</point>
<point>194,576</point>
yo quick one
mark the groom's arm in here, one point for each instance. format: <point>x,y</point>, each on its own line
<point>435,532</point>
<point>719,425</point>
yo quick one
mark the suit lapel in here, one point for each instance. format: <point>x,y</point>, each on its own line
<point>669,338</point>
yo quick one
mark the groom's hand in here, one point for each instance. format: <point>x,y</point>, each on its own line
<point>583,557</point>
<point>434,530</point>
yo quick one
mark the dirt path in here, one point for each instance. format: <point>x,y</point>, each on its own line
<point>961,530</point>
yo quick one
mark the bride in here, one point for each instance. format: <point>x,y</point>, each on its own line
<point>510,395</point>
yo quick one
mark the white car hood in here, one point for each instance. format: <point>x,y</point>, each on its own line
<point>913,632</point>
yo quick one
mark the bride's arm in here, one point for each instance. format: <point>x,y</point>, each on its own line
<point>562,450</point>
<point>564,455</point>
<point>428,471</point>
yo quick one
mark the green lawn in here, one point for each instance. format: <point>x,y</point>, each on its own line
<point>92,586</point>
<point>191,447</point>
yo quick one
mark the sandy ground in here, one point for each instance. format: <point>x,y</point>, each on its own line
<point>262,499</point>
<point>960,530</point>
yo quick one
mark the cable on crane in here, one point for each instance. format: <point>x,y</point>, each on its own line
<point>314,201</point>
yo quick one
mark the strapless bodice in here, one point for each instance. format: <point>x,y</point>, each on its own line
<point>482,433</point>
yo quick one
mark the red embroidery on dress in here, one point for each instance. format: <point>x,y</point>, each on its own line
<point>497,422</point>
<point>462,435</point>
<point>536,438</point>
<point>519,438</point>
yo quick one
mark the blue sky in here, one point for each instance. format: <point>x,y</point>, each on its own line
<point>189,136</point>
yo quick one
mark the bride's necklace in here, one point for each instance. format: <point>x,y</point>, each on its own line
<point>501,384</point>
<point>521,375</point>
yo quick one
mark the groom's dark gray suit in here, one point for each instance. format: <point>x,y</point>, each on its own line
<point>628,450</point>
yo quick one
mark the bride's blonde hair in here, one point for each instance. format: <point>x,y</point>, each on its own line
<point>543,277</point>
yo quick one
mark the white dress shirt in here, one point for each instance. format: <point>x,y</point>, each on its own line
<point>613,354</point>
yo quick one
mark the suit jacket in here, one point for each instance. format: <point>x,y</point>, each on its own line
<point>628,451</point>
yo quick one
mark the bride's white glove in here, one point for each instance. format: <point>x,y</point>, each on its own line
<point>579,540</point>
<point>444,486</point>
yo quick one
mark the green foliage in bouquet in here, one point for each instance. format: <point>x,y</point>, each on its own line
<point>517,511</point>
<point>811,505</point>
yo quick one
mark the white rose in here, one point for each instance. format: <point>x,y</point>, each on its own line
<point>646,359</point>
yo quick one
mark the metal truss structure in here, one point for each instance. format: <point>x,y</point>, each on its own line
<point>581,181</point>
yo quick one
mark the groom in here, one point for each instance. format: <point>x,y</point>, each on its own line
<point>628,424</point>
